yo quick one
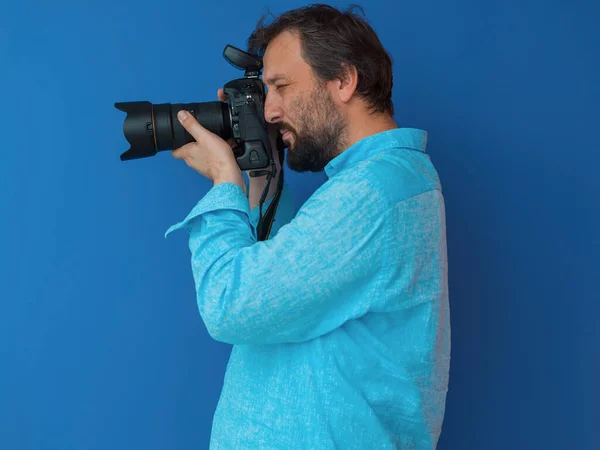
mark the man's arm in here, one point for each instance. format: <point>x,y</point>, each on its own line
<point>314,275</point>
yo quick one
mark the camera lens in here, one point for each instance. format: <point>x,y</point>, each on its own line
<point>152,128</point>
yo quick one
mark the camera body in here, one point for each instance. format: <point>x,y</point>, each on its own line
<point>150,128</point>
<point>246,99</point>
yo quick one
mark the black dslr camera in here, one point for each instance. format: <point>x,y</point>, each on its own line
<point>150,128</point>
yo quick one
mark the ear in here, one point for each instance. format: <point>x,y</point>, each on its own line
<point>347,82</point>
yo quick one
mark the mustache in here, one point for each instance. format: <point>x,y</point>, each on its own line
<point>286,127</point>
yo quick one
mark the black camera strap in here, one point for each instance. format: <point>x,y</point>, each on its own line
<point>266,223</point>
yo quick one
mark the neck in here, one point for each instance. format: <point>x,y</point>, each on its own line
<point>362,124</point>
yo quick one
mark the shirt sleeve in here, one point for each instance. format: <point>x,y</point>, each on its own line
<point>315,274</point>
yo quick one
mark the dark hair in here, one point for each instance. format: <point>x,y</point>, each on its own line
<point>331,38</point>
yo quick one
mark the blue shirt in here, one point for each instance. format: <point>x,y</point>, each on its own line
<point>339,322</point>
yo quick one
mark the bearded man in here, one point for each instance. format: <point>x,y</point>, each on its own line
<point>339,321</point>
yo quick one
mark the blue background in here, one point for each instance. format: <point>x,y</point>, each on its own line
<point>101,345</point>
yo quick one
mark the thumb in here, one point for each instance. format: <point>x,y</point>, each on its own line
<point>189,122</point>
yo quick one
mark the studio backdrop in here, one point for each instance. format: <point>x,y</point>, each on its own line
<point>101,343</point>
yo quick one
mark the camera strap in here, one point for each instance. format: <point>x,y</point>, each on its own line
<point>265,223</point>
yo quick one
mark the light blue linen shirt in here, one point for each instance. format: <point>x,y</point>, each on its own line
<point>339,322</point>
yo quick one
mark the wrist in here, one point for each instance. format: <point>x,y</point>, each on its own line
<point>232,176</point>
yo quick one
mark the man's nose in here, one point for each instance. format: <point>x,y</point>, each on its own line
<point>273,112</point>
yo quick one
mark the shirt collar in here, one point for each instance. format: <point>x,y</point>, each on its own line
<point>408,138</point>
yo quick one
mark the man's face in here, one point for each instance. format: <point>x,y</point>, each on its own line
<point>302,106</point>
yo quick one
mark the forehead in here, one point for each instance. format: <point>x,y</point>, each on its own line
<point>283,58</point>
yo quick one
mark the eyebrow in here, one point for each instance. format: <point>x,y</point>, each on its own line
<point>275,78</point>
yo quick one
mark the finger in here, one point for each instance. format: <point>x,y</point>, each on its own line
<point>189,122</point>
<point>221,95</point>
<point>183,151</point>
<point>179,153</point>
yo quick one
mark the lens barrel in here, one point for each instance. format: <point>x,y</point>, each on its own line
<point>150,128</point>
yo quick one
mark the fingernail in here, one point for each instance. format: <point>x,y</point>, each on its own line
<point>182,115</point>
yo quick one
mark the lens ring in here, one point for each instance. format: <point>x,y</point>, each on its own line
<point>154,130</point>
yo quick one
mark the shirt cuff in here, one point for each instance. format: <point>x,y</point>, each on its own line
<point>222,196</point>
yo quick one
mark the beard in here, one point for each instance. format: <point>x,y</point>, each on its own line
<point>319,136</point>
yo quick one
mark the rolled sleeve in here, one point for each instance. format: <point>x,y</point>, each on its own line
<point>222,199</point>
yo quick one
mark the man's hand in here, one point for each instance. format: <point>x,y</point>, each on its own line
<point>210,155</point>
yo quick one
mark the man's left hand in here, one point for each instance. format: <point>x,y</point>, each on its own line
<point>210,155</point>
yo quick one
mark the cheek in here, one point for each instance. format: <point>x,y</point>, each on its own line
<point>287,104</point>
<point>295,112</point>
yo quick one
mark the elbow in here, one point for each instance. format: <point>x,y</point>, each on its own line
<point>230,334</point>
<point>230,319</point>
<point>239,331</point>
<point>230,328</point>
<point>222,323</point>
<point>220,332</point>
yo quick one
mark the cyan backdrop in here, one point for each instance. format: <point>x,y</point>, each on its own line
<point>101,345</point>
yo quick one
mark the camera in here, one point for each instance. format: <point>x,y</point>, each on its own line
<point>151,128</point>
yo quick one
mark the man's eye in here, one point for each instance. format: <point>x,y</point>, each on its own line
<point>280,86</point>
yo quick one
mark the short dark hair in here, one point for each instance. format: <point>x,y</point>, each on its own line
<point>331,38</point>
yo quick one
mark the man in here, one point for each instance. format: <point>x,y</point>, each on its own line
<point>339,322</point>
